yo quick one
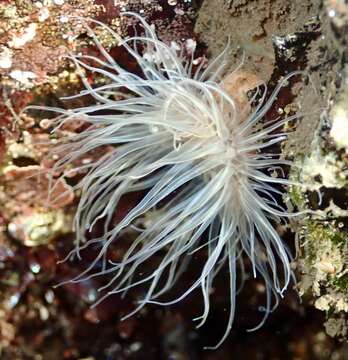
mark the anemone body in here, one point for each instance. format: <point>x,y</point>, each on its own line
<point>178,136</point>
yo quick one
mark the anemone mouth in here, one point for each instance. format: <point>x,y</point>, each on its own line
<point>181,141</point>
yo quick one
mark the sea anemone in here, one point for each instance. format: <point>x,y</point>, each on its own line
<point>201,161</point>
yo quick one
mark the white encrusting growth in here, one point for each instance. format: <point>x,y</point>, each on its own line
<point>178,136</point>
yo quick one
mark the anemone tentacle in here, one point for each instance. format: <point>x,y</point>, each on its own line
<point>178,136</point>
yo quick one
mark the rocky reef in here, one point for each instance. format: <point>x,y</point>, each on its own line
<point>39,321</point>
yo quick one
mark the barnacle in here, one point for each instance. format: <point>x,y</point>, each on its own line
<point>202,162</point>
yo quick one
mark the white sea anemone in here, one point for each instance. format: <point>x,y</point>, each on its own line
<point>180,137</point>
